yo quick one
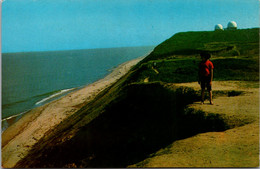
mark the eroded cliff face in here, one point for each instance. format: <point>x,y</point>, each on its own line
<point>139,120</point>
<point>237,103</point>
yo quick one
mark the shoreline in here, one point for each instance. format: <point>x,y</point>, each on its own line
<point>8,121</point>
<point>20,137</point>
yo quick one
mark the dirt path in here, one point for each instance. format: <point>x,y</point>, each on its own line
<point>19,138</point>
<point>236,147</point>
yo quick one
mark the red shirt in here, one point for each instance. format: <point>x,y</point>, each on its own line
<point>205,68</point>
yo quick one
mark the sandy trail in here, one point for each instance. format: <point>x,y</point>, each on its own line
<point>18,139</point>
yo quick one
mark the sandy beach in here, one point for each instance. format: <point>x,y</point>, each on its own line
<point>20,137</point>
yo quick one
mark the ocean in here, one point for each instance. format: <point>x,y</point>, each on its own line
<point>31,79</point>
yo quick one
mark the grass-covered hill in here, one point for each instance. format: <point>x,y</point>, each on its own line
<point>234,54</point>
<point>144,111</point>
<point>224,43</point>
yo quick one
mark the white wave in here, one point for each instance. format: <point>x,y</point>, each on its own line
<point>54,95</point>
<point>13,116</point>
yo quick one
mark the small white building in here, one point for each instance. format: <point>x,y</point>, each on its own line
<point>232,25</point>
<point>219,27</point>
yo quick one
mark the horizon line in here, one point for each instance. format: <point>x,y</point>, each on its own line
<point>60,50</point>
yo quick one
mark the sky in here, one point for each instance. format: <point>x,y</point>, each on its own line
<point>49,25</point>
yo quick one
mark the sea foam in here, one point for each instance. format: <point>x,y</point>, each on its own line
<point>53,96</point>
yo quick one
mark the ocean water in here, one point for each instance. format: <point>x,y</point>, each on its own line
<point>31,79</point>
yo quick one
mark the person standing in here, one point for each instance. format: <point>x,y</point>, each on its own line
<point>206,76</point>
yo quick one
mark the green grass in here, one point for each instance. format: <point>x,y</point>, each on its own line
<point>237,42</point>
<point>182,70</point>
<point>236,69</point>
<point>175,70</point>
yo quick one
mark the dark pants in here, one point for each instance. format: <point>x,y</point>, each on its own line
<point>205,81</point>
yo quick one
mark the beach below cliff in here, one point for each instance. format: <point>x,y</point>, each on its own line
<point>20,137</point>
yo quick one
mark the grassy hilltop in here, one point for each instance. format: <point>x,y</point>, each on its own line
<point>224,43</point>
<point>235,56</point>
<point>145,111</point>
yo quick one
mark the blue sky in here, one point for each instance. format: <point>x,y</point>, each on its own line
<point>44,25</point>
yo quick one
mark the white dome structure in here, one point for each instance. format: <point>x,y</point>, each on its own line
<point>232,25</point>
<point>218,27</point>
